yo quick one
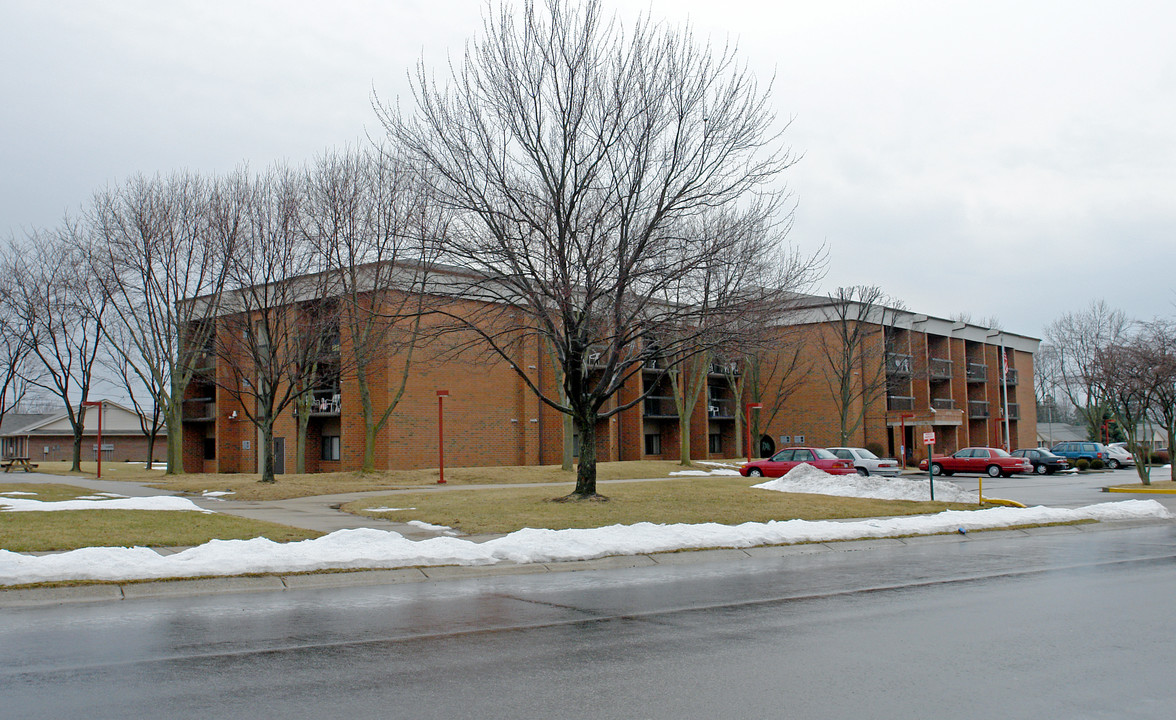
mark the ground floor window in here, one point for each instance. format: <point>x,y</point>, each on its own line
<point>716,443</point>
<point>330,447</point>
<point>653,444</point>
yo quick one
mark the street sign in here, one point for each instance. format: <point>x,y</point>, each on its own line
<point>928,438</point>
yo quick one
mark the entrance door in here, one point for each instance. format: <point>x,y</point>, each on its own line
<point>279,456</point>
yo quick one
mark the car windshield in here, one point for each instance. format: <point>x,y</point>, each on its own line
<point>824,454</point>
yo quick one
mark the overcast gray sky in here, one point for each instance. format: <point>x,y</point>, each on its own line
<point>1008,159</point>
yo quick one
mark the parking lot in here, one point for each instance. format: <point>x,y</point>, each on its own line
<point>1067,489</point>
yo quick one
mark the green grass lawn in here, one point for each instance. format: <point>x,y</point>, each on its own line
<point>725,500</point>
<point>72,529</point>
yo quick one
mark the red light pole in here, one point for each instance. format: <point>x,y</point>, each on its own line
<point>441,395</point>
<point>97,404</point>
<point>747,425</point>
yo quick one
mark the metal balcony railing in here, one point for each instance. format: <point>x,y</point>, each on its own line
<point>720,408</point>
<point>940,369</point>
<point>898,364</point>
<point>943,403</point>
<point>977,372</point>
<point>199,410</point>
<point>660,406</point>
<point>977,409</point>
<point>900,403</point>
<point>1011,378</point>
<point>1014,411</point>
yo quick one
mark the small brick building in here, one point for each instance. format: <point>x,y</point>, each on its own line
<point>49,436</point>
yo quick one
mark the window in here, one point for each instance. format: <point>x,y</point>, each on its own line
<point>210,448</point>
<point>330,447</point>
<point>653,444</point>
<point>716,443</point>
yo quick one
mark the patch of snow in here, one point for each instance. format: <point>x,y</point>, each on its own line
<point>805,478</point>
<point>427,526</point>
<point>109,495</point>
<point>387,509</point>
<point>14,493</point>
<point>368,548</point>
<point>217,493</point>
<point>159,502</point>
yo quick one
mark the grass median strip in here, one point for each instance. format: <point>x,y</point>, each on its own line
<point>73,529</point>
<point>729,501</point>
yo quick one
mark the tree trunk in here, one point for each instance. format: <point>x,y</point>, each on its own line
<point>369,421</point>
<point>303,404</point>
<point>77,451</point>
<point>150,449</point>
<point>175,438</point>
<point>586,470</point>
<point>569,430</point>
<point>684,440</point>
<point>267,452</point>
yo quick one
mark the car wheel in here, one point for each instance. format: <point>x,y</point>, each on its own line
<point>755,472</point>
<point>1113,464</point>
<point>936,469</point>
<point>994,471</point>
<point>863,472</point>
<point>1041,470</point>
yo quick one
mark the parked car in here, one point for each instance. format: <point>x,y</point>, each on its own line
<point>994,461</point>
<point>788,458</point>
<point>867,463</point>
<point>1081,450</point>
<point>1120,456</point>
<point>1044,462</point>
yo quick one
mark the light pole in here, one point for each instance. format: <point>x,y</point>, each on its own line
<point>747,425</point>
<point>97,404</point>
<point>441,395</point>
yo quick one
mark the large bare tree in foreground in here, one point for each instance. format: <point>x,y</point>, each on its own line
<point>574,152</point>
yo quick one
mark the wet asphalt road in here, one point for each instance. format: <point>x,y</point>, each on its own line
<point>1068,624</point>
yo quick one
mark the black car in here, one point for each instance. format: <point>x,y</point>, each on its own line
<point>1044,462</point>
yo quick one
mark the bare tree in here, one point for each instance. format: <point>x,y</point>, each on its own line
<point>572,151</point>
<point>1078,338</point>
<point>1046,382</point>
<point>274,312</point>
<point>15,343</point>
<point>61,306</point>
<point>1126,377</point>
<point>142,389</point>
<point>852,343</point>
<point>771,376</point>
<point>157,244</point>
<point>376,225</point>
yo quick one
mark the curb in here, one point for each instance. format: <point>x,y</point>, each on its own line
<point>189,587</point>
<point>1141,490</point>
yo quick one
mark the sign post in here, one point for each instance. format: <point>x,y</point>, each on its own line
<point>929,441</point>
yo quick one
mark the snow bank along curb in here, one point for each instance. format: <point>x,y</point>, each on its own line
<point>378,549</point>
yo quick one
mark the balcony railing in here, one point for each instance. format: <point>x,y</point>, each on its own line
<point>660,406</point>
<point>977,372</point>
<point>897,364</point>
<point>324,403</point>
<point>724,368</point>
<point>900,403</point>
<point>199,410</point>
<point>977,409</point>
<point>1014,411</point>
<point>943,403</point>
<point>1011,377</point>
<point>718,408</point>
<point>940,369</point>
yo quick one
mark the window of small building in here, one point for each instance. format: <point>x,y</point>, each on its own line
<point>653,444</point>
<point>210,448</point>
<point>330,447</point>
<point>716,443</point>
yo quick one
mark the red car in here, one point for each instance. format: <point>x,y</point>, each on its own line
<point>788,458</point>
<point>994,461</point>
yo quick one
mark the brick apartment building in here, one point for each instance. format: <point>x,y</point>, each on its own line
<point>940,376</point>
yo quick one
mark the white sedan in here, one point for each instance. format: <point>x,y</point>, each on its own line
<point>866,462</point>
<point>1120,456</point>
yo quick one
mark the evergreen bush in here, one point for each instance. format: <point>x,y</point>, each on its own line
<point>1082,464</point>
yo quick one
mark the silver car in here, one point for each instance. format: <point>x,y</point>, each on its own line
<point>1119,456</point>
<point>867,463</point>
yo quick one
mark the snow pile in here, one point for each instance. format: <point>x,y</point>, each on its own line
<point>805,478</point>
<point>122,503</point>
<point>716,469</point>
<point>367,548</point>
<point>216,494</point>
<point>386,509</point>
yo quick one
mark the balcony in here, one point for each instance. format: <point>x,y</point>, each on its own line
<point>660,406</point>
<point>977,372</point>
<point>325,402</point>
<point>940,369</point>
<point>720,408</point>
<point>199,410</point>
<point>900,403</point>
<point>1011,377</point>
<point>724,368</point>
<point>897,364</point>
<point>1014,411</point>
<point>977,409</point>
<point>943,403</point>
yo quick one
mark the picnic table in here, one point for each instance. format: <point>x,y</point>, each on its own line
<point>18,462</point>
